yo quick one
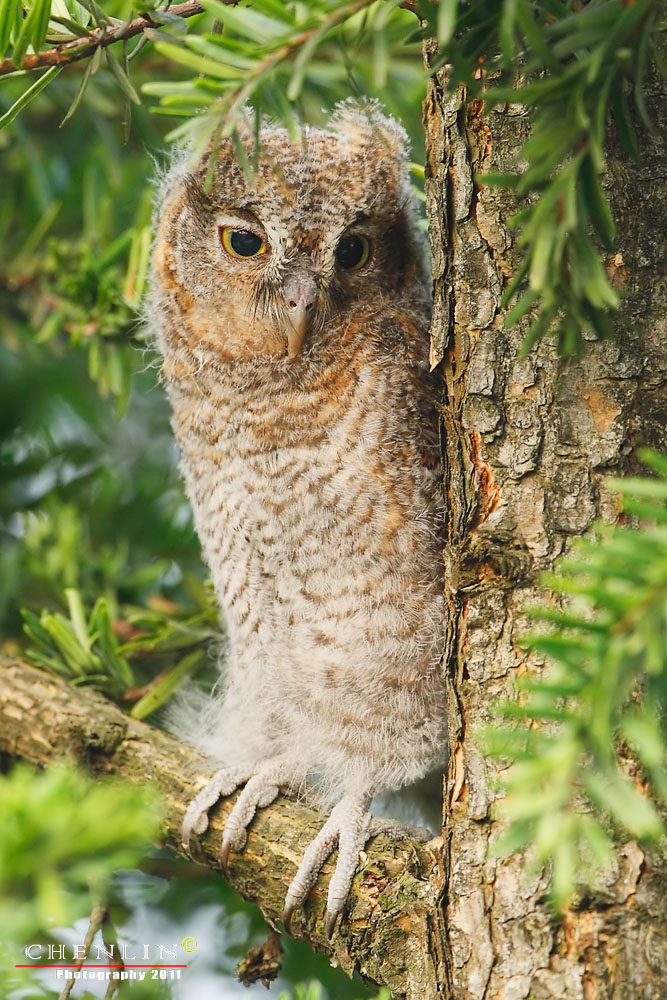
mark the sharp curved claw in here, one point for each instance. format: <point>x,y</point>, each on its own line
<point>186,833</point>
<point>332,917</point>
<point>288,913</point>
<point>224,852</point>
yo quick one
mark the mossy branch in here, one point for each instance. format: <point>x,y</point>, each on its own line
<point>391,927</point>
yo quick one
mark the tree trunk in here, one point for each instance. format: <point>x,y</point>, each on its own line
<point>527,443</point>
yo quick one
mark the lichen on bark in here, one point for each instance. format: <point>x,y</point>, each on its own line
<point>527,443</point>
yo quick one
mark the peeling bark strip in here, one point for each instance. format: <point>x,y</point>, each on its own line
<point>390,922</point>
<point>526,445</point>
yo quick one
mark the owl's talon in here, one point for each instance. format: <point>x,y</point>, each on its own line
<point>224,852</point>
<point>223,783</point>
<point>349,826</point>
<point>288,913</point>
<point>260,791</point>
<point>332,917</point>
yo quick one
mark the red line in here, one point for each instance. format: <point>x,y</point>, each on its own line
<point>74,965</point>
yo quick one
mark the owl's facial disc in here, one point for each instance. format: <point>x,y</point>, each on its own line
<point>300,291</point>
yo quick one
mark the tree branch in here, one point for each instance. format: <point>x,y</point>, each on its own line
<point>99,38</point>
<point>391,925</point>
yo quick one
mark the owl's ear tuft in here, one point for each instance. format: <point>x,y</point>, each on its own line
<point>366,126</point>
<point>196,195</point>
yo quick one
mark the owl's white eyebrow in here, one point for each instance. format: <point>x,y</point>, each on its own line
<point>238,222</point>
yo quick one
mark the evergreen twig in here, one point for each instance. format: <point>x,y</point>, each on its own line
<point>99,38</point>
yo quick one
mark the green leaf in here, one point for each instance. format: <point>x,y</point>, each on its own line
<point>645,511</point>
<point>76,656</point>
<point>597,204</point>
<point>248,22</point>
<point>10,23</point>
<point>529,803</point>
<point>447,17</point>
<point>300,65</point>
<point>536,37</point>
<point>29,95</point>
<point>380,59</point>
<point>599,322</point>
<point>632,485</point>
<point>100,622</point>
<point>36,631</point>
<point>24,39</point>
<point>623,121</point>
<point>543,687</point>
<point>42,12</point>
<point>625,804</point>
<point>564,867</point>
<point>164,687</point>
<point>98,15</point>
<point>590,275</point>
<point>517,838</point>
<point>537,330</point>
<point>78,30</point>
<point>525,303</point>
<point>122,77</point>
<point>597,840</point>
<point>643,733</point>
<point>654,460</point>
<point>565,620</point>
<point>498,180</point>
<point>236,69</point>
<point>533,711</point>
<point>201,64</point>
<point>78,617</point>
<point>540,258</point>
<point>507,30</point>
<point>384,12</point>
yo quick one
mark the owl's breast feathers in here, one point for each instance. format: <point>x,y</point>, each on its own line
<point>316,500</point>
<point>340,449</point>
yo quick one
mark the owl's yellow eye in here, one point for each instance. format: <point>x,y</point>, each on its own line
<point>241,243</point>
<point>353,252</point>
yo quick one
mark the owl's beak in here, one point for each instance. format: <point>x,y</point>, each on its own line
<point>300,291</point>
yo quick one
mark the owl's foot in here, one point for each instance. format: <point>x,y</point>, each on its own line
<point>261,789</point>
<point>349,826</point>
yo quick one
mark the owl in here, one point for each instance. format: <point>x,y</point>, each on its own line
<point>291,307</point>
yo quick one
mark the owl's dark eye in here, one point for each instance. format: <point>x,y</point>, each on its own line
<point>241,243</point>
<point>352,252</point>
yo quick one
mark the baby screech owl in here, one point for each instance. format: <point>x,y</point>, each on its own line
<point>292,314</point>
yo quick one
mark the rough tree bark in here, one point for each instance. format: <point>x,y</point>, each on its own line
<point>527,443</point>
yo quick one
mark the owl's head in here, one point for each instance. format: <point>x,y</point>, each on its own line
<point>285,263</point>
